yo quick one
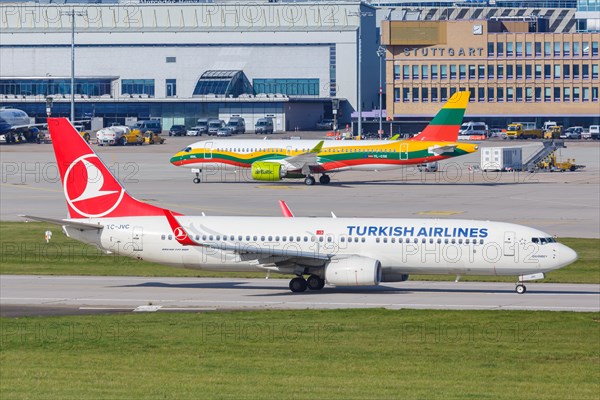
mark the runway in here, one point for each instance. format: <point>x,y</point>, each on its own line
<point>27,295</point>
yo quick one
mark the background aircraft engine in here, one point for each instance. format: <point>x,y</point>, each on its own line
<point>353,271</point>
<point>267,171</point>
<point>389,276</point>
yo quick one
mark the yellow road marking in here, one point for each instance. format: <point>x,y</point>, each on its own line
<point>439,212</point>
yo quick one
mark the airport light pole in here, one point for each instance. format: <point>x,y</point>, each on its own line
<point>380,54</point>
<point>72,14</point>
<point>360,14</point>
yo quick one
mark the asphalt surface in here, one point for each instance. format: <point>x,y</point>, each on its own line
<point>27,295</point>
<point>562,204</point>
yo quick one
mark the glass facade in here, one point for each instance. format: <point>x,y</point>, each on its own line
<point>137,87</point>
<point>289,87</point>
<point>50,86</point>
<point>225,83</point>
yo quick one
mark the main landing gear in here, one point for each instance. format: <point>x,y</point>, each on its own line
<point>323,180</point>
<point>299,284</point>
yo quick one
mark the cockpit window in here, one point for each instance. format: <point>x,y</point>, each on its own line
<point>535,240</point>
<point>543,240</point>
<point>187,149</point>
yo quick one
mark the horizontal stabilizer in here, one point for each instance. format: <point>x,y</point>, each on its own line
<point>84,226</point>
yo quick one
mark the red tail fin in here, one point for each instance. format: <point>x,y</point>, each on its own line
<point>90,188</point>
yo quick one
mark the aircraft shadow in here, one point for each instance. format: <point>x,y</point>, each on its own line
<point>283,290</point>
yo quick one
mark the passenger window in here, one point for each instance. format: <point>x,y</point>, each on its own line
<point>162,237</point>
<point>480,241</point>
<point>203,237</point>
<point>355,240</point>
<point>210,237</point>
<point>362,240</point>
<point>306,238</point>
<point>218,237</point>
<point>430,240</point>
<point>170,237</point>
<point>283,238</point>
<point>277,238</point>
<point>439,240</point>
<point>270,238</point>
<point>384,240</point>
<point>342,239</point>
<point>377,240</point>
<point>239,238</point>
<point>262,238</point>
<point>255,238</point>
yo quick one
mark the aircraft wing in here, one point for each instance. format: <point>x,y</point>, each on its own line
<point>298,162</point>
<point>442,149</point>
<point>83,226</point>
<point>17,127</point>
<point>250,251</point>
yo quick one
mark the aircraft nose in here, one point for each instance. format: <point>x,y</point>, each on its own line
<point>567,256</point>
<point>175,159</point>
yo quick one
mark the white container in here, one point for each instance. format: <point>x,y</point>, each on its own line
<point>501,159</point>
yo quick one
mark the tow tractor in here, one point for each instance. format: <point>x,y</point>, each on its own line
<point>551,164</point>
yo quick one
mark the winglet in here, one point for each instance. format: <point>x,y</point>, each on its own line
<point>285,210</point>
<point>395,137</point>
<point>318,147</point>
<point>180,234</point>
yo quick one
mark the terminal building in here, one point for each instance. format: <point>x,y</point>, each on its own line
<point>180,61</point>
<point>514,68</point>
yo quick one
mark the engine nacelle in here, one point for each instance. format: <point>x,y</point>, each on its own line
<point>353,271</point>
<point>267,171</point>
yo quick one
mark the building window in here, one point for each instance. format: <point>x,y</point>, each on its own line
<point>538,71</point>
<point>415,72</point>
<point>585,94</point>
<point>500,95</point>
<point>576,93</point>
<point>594,93</point>
<point>519,68</point>
<point>481,94</point>
<point>538,94</point>
<point>547,71</point>
<point>567,71</point>
<point>406,72</point>
<point>557,94</point>
<point>171,87</point>
<point>566,49</point>
<point>594,71</point>
<point>500,71</point>
<point>594,48</point>
<point>519,94</point>
<point>424,94</point>
<point>490,49</point>
<point>452,91</point>
<point>528,49</point>
<point>462,71</point>
<point>509,71</point>
<point>481,71</point>
<point>547,94</point>
<point>519,49</point>
<point>452,71</point>
<point>405,95</point>
<point>490,94</point>
<point>556,49</point>
<point>396,95</point>
<point>510,49</point>
<point>444,71</point>
<point>567,94</point>
<point>434,94</point>
<point>528,73</point>
<point>510,94</point>
<point>424,71</point>
<point>471,71</point>
<point>434,72</point>
<point>547,48</point>
<point>396,72</point>
<point>444,94</point>
<point>490,71</point>
<point>500,49</point>
<point>556,71</point>
<point>585,48</point>
<point>137,86</point>
<point>585,71</point>
<point>575,49</point>
<point>538,49</point>
<point>575,71</point>
<point>415,95</point>
<point>171,59</point>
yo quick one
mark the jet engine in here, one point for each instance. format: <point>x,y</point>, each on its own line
<point>267,171</point>
<point>353,271</point>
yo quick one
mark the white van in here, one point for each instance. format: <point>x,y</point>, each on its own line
<point>595,132</point>
<point>473,128</point>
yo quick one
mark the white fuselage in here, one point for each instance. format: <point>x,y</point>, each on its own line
<point>402,246</point>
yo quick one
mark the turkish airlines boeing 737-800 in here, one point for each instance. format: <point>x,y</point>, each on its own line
<point>336,251</point>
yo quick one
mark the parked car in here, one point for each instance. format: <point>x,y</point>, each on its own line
<point>263,126</point>
<point>236,125</point>
<point>498,133</point>
<point>214,125</point>
<point>573,132</point>
<point>193,131</point>
<point>178,130</point>
<point>325,124</point>
<point>200,127</point>
<point>224,131</point>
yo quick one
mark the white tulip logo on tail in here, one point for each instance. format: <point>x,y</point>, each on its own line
<point>87,191</point>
